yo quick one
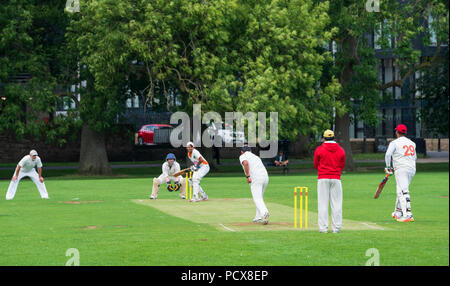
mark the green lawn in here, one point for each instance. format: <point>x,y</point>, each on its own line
<point>120,226</point>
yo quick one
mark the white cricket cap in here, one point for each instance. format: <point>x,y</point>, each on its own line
<point>190,144</point>
<point>33,152</point>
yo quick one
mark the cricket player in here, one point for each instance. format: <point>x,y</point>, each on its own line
<point>402,152</point>
<point>26,168</point>
<point>329,160</point>
<point>169,167</point>
<point>258,179</point>
<point>200,169</point>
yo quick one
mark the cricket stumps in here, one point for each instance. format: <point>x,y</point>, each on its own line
<point>300,192</point>
<point>189,188</point>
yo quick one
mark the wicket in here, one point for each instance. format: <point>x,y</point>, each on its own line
<point>302,190</point>
<point>189,189</point>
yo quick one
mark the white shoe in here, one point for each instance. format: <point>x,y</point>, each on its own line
<point>257,220</point>
<point>335,231</point>
<point>396,215</point>
<point>408,218</point>
<point>204,198</point>
<point>183,197</point>
<point>265,218</point>
<point>152,197</point>
<point>193,200</point>
<point>323,231</point>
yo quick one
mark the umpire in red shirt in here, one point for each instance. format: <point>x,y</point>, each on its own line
<point>329,160</point>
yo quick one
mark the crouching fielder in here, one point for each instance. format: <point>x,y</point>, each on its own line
<point>258,179</point>
<point>200,168</point>
<point>26,168</point>
<point>169,168</point>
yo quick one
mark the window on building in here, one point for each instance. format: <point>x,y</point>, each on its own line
<point>136,101</point>
<point>433,38</point>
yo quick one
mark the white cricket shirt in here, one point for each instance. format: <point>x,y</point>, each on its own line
<point>256,166</point>
<point>195,156</point>
<point>169,171</point>
<point>27,164</point>
<point>403,153</point>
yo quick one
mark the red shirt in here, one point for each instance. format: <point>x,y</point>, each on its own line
<point>329,160</point>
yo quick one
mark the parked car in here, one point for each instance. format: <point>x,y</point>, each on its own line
<point>145,135</point>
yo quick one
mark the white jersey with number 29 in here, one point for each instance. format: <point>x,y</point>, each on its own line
<point>403,153</point>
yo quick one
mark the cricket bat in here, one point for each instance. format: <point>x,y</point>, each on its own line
<point>381,186</point>
<point>181,172</point>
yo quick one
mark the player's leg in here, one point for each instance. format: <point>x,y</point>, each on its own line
<point>182,182</point>
<point>13,186</point>
<point>323,195</point>
<point>40,186</point>
<point>196,178</point>
<point>402,180</point>
<point>336,205</point>
<point>411,174</point>
<point>397,210</point>
<point>155,189</point>
<point>257,188</point>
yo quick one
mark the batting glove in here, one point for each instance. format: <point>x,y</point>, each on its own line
<point>193,168</point>
<point>388,170</point>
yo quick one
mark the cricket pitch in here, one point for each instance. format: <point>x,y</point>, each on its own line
<point>236,215</point>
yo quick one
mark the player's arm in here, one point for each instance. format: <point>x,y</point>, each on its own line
<point>16,174</point>
<point>247,171</point>
<point>40,174</point>
<point>388,158</point>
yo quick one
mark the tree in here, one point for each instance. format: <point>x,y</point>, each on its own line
<point>434,92</point>
<point>31,60</point>
<point>398,25</point>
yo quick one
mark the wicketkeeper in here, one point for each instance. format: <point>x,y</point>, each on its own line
<point>26,168</point>
<point>402,152</point>
<point>329,160</point>
<point>169,168</point>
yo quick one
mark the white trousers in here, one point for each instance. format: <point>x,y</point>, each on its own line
<point>403,178</point>
<point>34,177</point>
<point>162,179</point>
<point>258,187</point>
<point>329,192</point>
<point>196,178</point>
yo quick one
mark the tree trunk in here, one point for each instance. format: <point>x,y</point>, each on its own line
<point>93,157</point>
<point>342,136</point>
<point>342,129</point>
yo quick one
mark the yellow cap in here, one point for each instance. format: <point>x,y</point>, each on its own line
<point>328,133</point>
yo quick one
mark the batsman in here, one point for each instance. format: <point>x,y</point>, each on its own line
<point>169,168</point>
<point>402,152</point>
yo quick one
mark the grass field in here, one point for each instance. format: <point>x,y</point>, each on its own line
<point>112,222</point>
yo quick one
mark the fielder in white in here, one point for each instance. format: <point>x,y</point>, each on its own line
<point>258,179</point>
<point>200,169</point>
<point>402,152</point>
<point>26,168</point>
<point>169,168</point>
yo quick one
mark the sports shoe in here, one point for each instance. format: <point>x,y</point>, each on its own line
<point>183,197</point>
<point>257,220</point>
<point>336,231</point>
<point>405,219</point>
<point>265,218</point>
<point>193,200</point>
<point>205,198</point>
<point>323,231</point>
<point>396,215</point>
<point>152,197</point>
